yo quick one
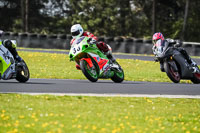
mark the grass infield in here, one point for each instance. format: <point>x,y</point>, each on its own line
<point>70,114</point>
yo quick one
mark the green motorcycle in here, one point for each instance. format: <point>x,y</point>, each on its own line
<point>93,63</point>
<point>10,68</point>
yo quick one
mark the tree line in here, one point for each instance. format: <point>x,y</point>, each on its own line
<point>177,19</point>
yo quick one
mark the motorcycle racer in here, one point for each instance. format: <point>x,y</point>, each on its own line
<point>77,31</point>
<point>177,44</point>
<point>11,47</point>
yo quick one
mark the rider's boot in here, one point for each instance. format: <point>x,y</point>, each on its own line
<point>110,56</point>
<point>112,59</point>
<point>194,67</point>
<point>193,64</point>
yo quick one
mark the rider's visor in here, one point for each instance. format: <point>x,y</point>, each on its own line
<point>157,42</point>
<point>76,33</point>
<point>154,42</point>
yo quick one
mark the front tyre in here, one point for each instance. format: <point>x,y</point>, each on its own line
<point>118,76</point>
<point>22,72</point>
<point>174,76</point>
<point>89,72</point>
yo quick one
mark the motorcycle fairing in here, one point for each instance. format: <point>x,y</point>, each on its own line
<point>89,61</point>
<point>184,66</point>
<point>173,65</point>
<point>103,64</point>
<point>7,66</point>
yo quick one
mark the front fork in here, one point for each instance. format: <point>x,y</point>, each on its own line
<point>172,63</point>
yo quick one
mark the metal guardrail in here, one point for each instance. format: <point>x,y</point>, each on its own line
<point>192,43</point>
<point>118,44</point>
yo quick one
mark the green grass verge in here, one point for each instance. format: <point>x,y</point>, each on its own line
<point>58,66</point>
<point>43,49</point>
<point>66,114</point>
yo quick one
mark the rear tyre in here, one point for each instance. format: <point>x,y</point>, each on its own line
<point>22,72</point>
<point>174,76</point>
<point>89,72</point>
<point>118,76</point>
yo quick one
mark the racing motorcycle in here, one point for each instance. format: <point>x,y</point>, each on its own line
<point>93,63</point>
<point>10,68</point>
<point>175,65</point>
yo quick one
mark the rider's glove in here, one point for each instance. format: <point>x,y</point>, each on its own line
<point>178,43</point>
<point>93,41</point>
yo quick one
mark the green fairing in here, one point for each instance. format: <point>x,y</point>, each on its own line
<point>91,48</point>
<point>3,65</point>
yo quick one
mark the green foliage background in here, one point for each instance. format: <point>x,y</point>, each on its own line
<point>131,18</point>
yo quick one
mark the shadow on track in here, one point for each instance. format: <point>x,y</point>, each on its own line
<point>110,82</point>
<point>4,82</point>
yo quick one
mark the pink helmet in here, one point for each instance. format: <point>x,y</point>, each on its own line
<point>157,36</point>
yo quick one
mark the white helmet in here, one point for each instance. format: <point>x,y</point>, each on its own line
<point>76,30</point>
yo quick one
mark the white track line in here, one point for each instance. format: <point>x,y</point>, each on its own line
<point>111,95</point>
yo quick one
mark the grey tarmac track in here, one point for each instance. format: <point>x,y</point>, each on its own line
<point>102,87</point>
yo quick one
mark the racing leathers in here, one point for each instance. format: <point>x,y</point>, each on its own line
<point>105,48</point>
<point>12,48</point>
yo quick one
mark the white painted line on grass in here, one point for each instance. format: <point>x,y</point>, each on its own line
<point>111,95</point>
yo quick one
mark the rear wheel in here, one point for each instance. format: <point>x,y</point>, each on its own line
<point>22,72</point>
<point>174,76</point>
<point>89,72</point>
<point>118,76</point>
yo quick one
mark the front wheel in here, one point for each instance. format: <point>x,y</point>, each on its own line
<point>118,76</point>
<point>169,69</point>
<point>89,72</point>
<point>22,72</point>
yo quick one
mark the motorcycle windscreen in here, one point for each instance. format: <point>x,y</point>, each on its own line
<point>78,40</point>
<point>159,47</point>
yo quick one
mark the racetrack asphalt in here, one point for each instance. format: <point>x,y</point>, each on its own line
<point>101,87</point>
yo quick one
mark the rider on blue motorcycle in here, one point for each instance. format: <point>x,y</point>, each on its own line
<point>77,31</point>
<point>11,47</point>
<point>177,44</point>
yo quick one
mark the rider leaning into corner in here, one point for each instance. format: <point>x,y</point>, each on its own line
<point>11,47</point>
<point>77,31</point>
<point>177,44</point>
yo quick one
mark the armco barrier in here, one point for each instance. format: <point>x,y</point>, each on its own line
<point>118,44</point>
